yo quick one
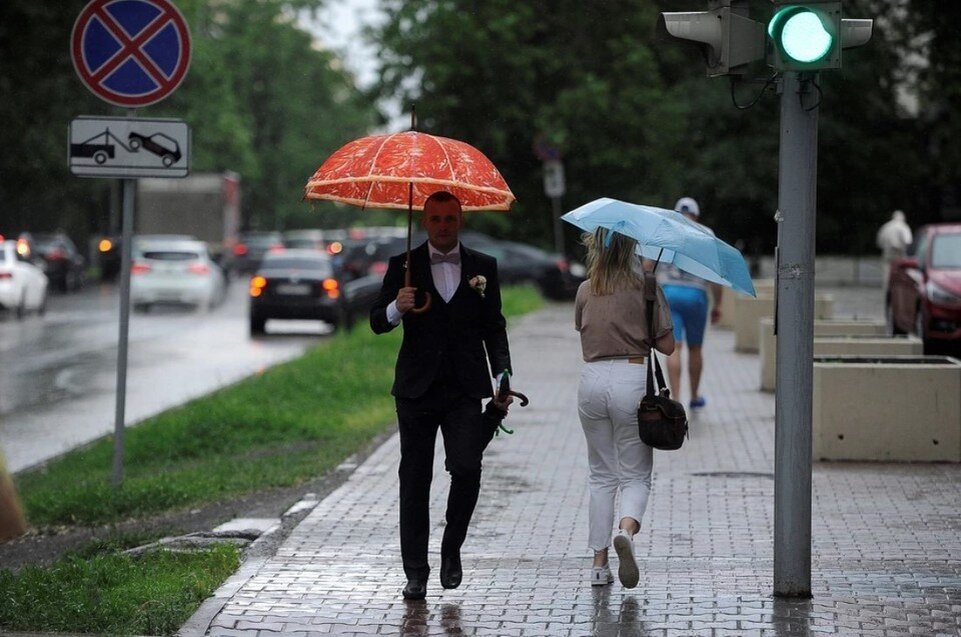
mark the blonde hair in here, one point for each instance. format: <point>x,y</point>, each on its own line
<point>611,267</point>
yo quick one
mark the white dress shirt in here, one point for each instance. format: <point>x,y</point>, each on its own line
<point>446,279</point>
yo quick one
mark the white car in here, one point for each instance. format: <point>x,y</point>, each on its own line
<point>170,270</point>
<point>23,285</point>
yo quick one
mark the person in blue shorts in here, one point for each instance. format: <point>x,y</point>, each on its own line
<point>688,297</point>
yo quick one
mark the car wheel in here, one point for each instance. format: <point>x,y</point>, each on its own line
<point>168,160</point>
<point>892,327</point>
<point>100,157</point>
<point>919,326</point>
<point>42,309</point>
<point>257,325</point>
<point>21,309</point>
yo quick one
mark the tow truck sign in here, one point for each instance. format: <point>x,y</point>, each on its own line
<point>128,147</point>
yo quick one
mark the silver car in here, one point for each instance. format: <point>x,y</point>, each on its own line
<point>173,271</point>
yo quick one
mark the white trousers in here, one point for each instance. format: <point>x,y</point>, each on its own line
<point>607,400</point>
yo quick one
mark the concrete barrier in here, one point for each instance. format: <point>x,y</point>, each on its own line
<point>837,337</point>
<point>895,408</point>
<point>748,313</point>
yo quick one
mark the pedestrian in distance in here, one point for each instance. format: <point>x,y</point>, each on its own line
<point>447,361</point>
<point>893,239</point>
<point>688,298</point>
<point>610,314</point>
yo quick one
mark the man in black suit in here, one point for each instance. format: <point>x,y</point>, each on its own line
<point>442,374</point>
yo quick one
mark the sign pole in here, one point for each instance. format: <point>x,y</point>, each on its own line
<point>797,208</point>
<point>129,190</point>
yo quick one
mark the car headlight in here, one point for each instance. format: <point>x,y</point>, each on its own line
<point>938,294</point>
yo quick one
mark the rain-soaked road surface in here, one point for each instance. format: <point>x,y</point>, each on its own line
<point>58,372</point>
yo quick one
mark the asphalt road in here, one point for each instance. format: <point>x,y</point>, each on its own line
<point>58,372</point>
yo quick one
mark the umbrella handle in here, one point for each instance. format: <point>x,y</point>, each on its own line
<point>423,308</point>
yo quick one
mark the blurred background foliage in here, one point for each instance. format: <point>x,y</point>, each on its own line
<point>633,117</point>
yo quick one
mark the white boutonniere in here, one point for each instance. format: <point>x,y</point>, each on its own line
<point>479,283</point>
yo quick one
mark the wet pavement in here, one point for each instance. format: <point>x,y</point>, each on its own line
<point>886,541</point>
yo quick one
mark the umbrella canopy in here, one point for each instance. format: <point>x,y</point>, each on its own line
<point>378,172</point>
<point>669,237</point>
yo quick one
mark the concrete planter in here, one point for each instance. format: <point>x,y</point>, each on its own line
<point>763,287</point>
<point>893,408</point>
<point>838,338</point>
<point>748,313</point>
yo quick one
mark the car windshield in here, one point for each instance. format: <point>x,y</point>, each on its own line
<point>263,241</point>
<point>300,243</point>
<point>298,263</point>
<point>946,251</point>
<point>170,255</point>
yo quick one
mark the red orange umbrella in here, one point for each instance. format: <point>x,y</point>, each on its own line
<point>401,170</point>
<point>378,171</point>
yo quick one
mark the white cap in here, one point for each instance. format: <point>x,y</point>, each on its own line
<point>688,205</point>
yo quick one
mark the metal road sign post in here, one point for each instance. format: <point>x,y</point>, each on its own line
<point>797,192</point>
<point>131,54</point>
<point>554,187</point>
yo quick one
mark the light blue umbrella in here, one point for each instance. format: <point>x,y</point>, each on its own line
<point>668,236</point>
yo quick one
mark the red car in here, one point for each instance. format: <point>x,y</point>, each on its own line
<point>924,293</point>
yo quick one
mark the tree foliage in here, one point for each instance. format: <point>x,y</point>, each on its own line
<point>636,119</point>
<point>261,99</point>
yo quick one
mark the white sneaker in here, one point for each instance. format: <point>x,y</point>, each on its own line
<point>601,575</point>
<point>627,566</point>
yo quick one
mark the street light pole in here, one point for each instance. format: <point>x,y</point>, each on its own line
<point>794,318</point>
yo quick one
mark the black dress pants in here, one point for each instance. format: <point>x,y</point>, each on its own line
<point>465,435</point>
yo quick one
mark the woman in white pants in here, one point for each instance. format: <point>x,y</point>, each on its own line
<point>609,313</point>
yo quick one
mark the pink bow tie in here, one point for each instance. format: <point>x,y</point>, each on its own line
<point>450,257</point>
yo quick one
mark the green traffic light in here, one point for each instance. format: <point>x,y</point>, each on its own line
<point>800,33</point>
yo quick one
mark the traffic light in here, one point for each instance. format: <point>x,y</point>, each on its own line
<point>810,36</point>
<point>728,39</point>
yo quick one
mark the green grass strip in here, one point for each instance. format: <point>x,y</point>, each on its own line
<point>293,422</point>
<point>114,594</point>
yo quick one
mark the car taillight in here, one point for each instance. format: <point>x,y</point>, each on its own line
<point>6,275</point>
<point>139,268</point>
<point>240,250</point>
<point>105,245</point>
<point>276,247</point>
<point>57,253</point>
<point>332,288</point>
<point>198,268</point>
<point>23,248</point>
<point>335,248</point>
<point>563,265</point>
<point>377,267</point>
<point>257,285</point>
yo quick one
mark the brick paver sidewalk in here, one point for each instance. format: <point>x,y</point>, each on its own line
<point>887,548</point>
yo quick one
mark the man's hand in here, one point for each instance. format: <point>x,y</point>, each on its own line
<point>503,402</point>
<point>405,299</point>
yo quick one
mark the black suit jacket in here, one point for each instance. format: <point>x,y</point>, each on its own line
<point>460,336</point>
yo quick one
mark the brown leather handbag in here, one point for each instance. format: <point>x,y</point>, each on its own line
<point>661,421</point>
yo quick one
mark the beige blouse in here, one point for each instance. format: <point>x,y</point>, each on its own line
<point>615,325</point>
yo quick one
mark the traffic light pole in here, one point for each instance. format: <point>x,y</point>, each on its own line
<point>797,193</point>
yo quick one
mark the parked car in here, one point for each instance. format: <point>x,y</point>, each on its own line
<point>23,284</point>
<point>251,248</point>
<point>61,261</point>
<point>173,271</point>
<point>555,276</point>
<point>924,290</point>
<point>304,284</point>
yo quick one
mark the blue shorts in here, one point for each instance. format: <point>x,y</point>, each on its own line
<point>688,313</point>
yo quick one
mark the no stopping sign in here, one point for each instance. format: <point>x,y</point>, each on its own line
<point>131,52</point>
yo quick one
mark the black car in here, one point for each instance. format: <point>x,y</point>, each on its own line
<point>555,276</point>
<point>304,284</point>
<point>62,262</point>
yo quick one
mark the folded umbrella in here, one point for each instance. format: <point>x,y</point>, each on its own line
<point>668,236</point>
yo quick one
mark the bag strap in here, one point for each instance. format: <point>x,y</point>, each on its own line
<point>650,295</point>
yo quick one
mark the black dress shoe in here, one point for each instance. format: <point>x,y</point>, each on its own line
<point>415,589</point>
<point>451,572</point>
